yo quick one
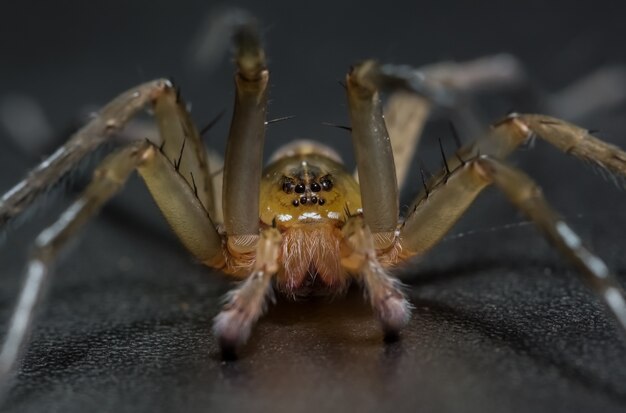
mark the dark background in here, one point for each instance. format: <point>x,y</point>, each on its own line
<point>501,322</point>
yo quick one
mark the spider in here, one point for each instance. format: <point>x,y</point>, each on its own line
<point>304,222</point>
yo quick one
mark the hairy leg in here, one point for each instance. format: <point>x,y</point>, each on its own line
<point>447,195</point>
<point>108,121</point>
<point>108,180</point>
<point>384,291</point>
<point>441,206</point>
<point>384,148</point>
<point>181,144</point>
<point>527,196</point>
<point>246,304</point>
<point>406,113</point>
<point>181,207</point>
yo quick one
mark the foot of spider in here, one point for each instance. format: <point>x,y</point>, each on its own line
<point>394,312</point>
<point>232,328</point>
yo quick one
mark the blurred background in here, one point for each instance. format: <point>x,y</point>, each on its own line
<point>502,323</point>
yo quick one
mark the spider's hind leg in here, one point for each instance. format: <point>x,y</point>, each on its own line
<point>109,120</point>
<point>437,210</point>
<point>527,196</point>
<point>109,179</point>
<point>176,199</point>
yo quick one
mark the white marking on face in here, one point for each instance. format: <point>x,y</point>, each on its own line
<point>309,215</point>
<point>284,217</point>
<point>571,239</point>
<point>333,215</point>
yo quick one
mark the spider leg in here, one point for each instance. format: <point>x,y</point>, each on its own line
<point>384,148</point>
<point>437,210</point>
<point>110,120</point>
<point>572,140</point>
<point>405,117</point>
<point>526,195</point>
<point>182,145</point>
<point>177,176</point>
<point>175,198</point>
<point>109,179</point>
<point>515,130</point>
<point>406,112</point>
<point>181,207</point>
<point>444,85</point>
<point>384,291</point>
<point>137,129</point>
<point>374,157</point>
<point>243,161</point>
<point>246,304</point>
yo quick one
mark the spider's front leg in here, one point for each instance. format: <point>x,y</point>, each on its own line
<point>242,177</point>
<point>374,156</point>
<point>376,229</point>
<point>243,161</point>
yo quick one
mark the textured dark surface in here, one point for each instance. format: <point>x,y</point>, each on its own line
<point>501,323</point>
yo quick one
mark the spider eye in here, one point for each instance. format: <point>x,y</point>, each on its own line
<point>315,187</point>
<point>287,186</point>
<point>300,188</point>
<point>327,184</point>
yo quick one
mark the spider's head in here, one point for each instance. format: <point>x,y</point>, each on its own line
<point>307,182</point>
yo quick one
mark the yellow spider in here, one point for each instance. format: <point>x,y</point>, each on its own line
<point>304,222</point>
